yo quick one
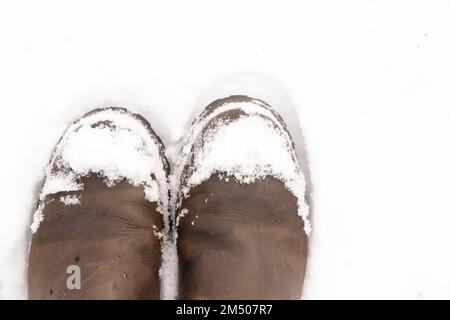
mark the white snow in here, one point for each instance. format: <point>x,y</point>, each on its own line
<point>70,200</point>
<point>366,80</point>
<point>249,148</point>
<point>182,214</point>
<point>159,234</point>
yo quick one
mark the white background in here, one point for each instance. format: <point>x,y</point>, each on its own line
<point>370,81</point>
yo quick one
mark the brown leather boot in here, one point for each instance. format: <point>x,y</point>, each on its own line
<point>242,192</point>
<point>99,220</point>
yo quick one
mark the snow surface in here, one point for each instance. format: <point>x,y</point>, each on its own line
<point>367,82</point>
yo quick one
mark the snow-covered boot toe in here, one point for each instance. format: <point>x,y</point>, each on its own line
<point>97,228</point>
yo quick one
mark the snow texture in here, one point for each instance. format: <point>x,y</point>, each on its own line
<point>368,81</point>
<point>70,200</point>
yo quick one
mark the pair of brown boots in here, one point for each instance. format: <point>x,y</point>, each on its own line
<point>234,207</point>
